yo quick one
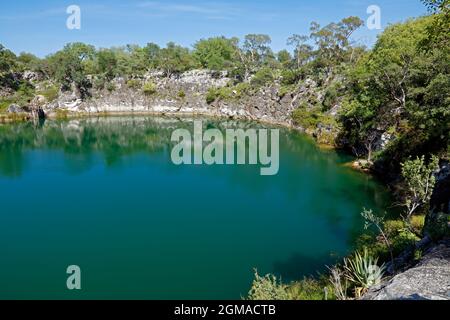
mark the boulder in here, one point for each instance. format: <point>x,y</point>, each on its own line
<point>428,280</point>
<point>14,108</point>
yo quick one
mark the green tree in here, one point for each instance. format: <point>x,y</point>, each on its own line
<point>420,182</point>
<point>302,51</point>
<point>333,42</point>
<point>68,66</point>
<point>285,58</point>
<point>7,60</point>
<point>107,63</point>
<point>217,53</point>
<point>175,59</point>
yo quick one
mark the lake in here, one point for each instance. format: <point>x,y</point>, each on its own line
<point>103,194</point>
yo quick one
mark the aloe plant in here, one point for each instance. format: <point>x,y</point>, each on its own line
<point>363,270</point>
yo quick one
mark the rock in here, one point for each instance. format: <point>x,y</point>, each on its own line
<point>14,108</point>
<point>429,280</point>
<point>31,76</point>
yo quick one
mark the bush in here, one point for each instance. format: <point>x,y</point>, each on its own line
<point>149,88</point>
<point>310,289</point>
<point>262,77</point>
<point>111,87</point>
<point>417,223</point>
<point>211,95</point>
<point>330,98</point>
<point>181,94</point>
<point>267,287</point>
<point>311,118</point>
<point>290,77</point>
<point>134,84</point>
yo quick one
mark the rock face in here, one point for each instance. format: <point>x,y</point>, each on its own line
<point>184,94</point>
<point>429,280</point>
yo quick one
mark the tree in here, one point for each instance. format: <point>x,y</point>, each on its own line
<point>333,41</point>
<point>68,66</point>
<point>152,52</point>
<point>28,61</point>
<point>174,59</point>
<point>285,58</point>
<point>7,60</point>
<point>420,181</point>
<point>302,51</point>
<point>107,63</point>
<point>217,53</point>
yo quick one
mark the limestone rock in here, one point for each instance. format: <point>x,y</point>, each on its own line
<point>429,280</point>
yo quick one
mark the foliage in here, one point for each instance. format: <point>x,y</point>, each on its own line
<point>68,66</point>
<point>134,84</point>
<point>216,53</point>
<point>175,59</point>
<point>7,60</point>
<point>362,270</point>
<point>420,181</point>
<point>267,287</point>
<point>263,77</point>
<point>181,94</point>
<point>50,92</point>
<point>149,88</point>
<point>310,289</point>
<point>398,86</point>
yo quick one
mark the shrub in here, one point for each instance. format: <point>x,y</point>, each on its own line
<point>149,88</point>
<point>290,77</point>
<point>267,287</point>
<point>262,77</point>
<point>330,98</point>
<point>134,84</point>
<point>310,289</point>
<point>417,224</point>
<point>211,95</point>
<point>284,90</point>
<point>181,94</point>
<point>110,87</point>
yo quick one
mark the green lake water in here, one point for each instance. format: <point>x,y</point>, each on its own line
<point>103,194</point>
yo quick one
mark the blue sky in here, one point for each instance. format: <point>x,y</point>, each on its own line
<point>40,26</point>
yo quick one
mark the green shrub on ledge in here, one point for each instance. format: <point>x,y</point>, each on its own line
<point>149,88</point>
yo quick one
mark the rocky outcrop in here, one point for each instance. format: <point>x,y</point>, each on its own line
<point>182,94</point>
<point>428,280</point>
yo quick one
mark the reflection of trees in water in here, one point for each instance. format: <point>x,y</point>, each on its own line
<point>306,173</point>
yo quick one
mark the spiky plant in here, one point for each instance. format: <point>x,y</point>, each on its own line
<point>363,271</point>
